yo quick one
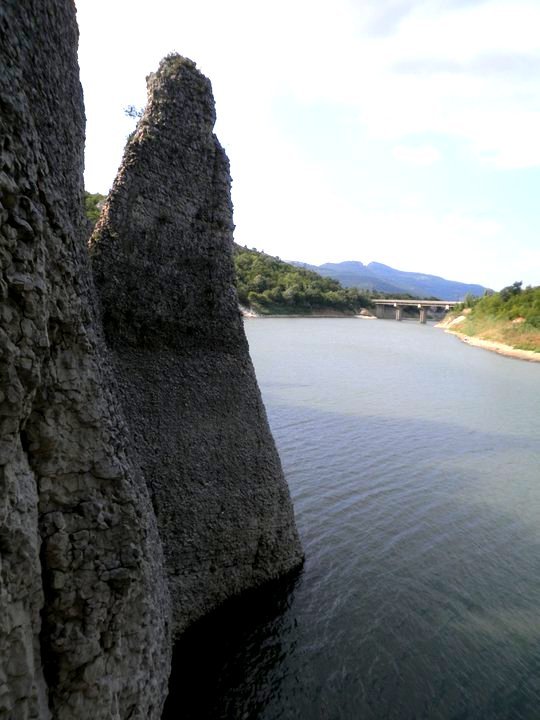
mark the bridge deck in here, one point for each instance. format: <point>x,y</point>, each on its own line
<point>417,303</point>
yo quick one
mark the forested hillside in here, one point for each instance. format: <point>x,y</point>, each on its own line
<point>271,286</point>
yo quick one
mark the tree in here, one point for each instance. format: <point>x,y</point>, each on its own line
<point>507,292</point>
<point>93,202</point>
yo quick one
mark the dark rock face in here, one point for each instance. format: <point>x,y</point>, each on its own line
<point>84,607</point>
<point>162,262</point>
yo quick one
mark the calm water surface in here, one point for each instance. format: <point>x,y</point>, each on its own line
<point>414,466</point>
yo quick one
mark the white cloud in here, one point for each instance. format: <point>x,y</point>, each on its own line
<point>496,113</point>
<point>412,73</point>
<point>317,52</point>
<point>422,155</point>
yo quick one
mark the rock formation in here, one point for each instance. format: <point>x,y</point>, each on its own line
<point>84,609</point>
<point>162,261</point>
<point>165,399</point>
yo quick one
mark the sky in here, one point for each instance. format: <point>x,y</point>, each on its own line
<point>405,132</point>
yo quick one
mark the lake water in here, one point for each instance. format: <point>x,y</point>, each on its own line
<point>414,466</point>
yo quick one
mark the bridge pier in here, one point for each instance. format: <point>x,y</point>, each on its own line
<point>384,312</point>
<point>395,307</point>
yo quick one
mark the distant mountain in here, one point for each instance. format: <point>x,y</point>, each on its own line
<point>382,278</point>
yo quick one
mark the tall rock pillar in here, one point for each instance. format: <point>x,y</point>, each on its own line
<point>84,609</point>
<point>162,262</point>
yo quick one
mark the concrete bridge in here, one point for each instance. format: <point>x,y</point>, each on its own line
<point>423,305</point>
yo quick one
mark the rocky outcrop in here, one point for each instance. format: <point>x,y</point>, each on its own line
<point>164,399</point>
<point>162,261</point>
<point>84,609</point>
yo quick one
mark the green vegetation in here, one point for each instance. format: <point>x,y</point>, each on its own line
<point>270,286</point>
<point>511,316</point>
<point>92,205</point>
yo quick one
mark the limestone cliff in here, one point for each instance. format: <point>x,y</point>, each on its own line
<point>162,262</point>
<point>84,610</point>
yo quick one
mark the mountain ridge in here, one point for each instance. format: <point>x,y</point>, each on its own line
<point>379,277</point>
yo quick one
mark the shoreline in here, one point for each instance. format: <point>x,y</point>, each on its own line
<point>496,347</point>
<point>307,317</point>
<point>490,345</point>
<point>251,314</point>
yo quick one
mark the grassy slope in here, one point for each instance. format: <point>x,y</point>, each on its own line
<point>511,316</point>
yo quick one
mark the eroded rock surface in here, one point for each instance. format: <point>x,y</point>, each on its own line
<point>83,603</point>
<point>162,261</point>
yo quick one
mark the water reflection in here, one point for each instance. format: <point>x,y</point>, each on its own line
<point>422,582</point>
<point>419,599</point>
<point>223,666</point>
